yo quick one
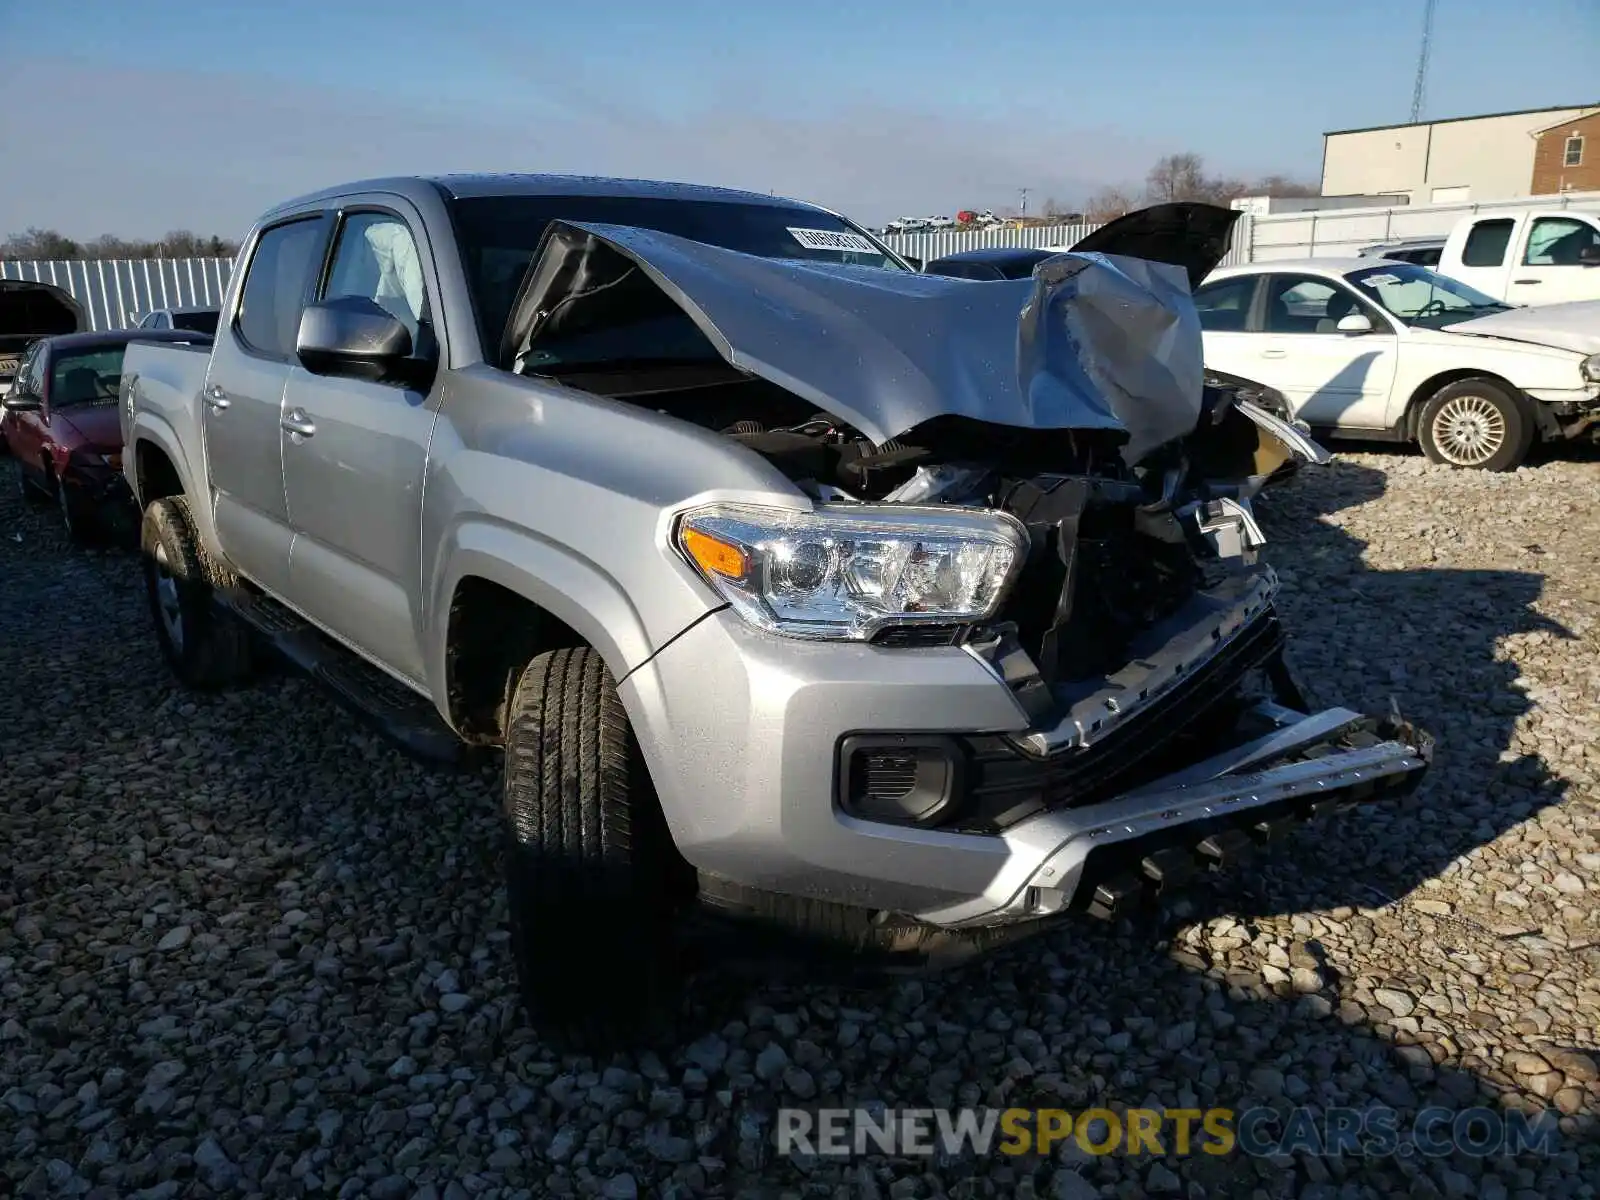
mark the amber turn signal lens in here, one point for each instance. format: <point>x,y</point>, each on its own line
<point>715,556</point>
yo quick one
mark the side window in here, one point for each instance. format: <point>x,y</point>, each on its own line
<point>1306,304</point>
<point>1572,151</point>
<point>275,286</point>
<point>1486,243</point>
<point>1224,306</point>
<point>376,258</point>
<point>1558,242</point>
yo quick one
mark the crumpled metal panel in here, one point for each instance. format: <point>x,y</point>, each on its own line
<point>1117,338</point>
<point>1092,342</point>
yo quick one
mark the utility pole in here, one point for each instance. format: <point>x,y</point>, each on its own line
<point>1421,86</point>
<point>1024,191</point>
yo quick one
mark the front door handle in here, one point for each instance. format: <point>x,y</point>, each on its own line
<point>1527,281</point>
<point>216,397</point>
<point>1274,354</point>
<point>298,424</point>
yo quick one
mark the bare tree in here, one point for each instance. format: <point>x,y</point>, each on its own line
<point>1107,203</point>
<point>1282,185</point>
<point>1177,177</point>
<point>1182,177</point>
<point>47,244</point>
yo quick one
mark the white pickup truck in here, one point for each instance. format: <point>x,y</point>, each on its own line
<point>1542,256</point>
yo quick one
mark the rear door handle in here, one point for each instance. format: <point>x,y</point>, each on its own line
<point>297,423</point>
<point>1527,281</point>
<point>216,397</point>
<point>1274,354</point>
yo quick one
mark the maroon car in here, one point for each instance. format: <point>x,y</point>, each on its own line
<point>61,426</point>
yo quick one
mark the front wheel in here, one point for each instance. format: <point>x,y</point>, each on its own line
<point>1476,424</point>
<point>591,871</point>
<point>205,646</point>
<point>26,491</point>
<point>77,514</point>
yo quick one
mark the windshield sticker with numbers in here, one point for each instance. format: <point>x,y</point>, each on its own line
<point>1381,279</point>
<point>830,239</point>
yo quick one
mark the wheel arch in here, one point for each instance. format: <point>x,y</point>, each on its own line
<point>1410,421</point>
<point>505,597</point>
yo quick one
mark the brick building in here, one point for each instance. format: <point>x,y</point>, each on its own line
<point>1566,156</point>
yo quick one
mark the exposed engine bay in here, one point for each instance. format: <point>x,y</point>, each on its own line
<point>1130,466</point>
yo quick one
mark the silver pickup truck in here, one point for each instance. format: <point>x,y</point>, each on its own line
<point>800,590</point>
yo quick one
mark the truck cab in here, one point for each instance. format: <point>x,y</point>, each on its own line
<point>1545,256</point>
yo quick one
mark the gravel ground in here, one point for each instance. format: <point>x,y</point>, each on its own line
<point>244,949</point>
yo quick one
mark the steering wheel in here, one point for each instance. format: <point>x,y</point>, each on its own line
<point>1432,307</point>
<point>109,386</point>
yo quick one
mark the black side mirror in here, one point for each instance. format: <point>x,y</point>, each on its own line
<point>1589,256</point>
<point>356,337</point>
<point>19,401</point>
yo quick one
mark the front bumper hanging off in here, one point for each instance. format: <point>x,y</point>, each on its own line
<point>1111,855</point>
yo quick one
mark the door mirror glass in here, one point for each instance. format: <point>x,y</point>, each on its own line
<point>1354,323</point>
<point>1589,256</point>
<point>355,337</point>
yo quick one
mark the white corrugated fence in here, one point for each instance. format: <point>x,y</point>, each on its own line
<point>116,292</point>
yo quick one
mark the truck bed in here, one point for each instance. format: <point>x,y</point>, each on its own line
<point>163,380</point>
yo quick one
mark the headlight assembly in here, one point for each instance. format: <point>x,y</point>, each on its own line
<point>845,573</point>
<point>1591,368</point>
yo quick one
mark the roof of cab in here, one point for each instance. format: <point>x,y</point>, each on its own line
<point>464,186</point>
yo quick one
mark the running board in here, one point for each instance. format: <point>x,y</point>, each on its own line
<point>388,706</point>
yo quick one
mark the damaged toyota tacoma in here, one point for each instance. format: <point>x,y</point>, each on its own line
<point>801,591</point>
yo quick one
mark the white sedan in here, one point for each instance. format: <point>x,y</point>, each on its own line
<point>1392,351</point>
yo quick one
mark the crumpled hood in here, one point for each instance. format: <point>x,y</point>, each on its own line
<point>1572,326</point>
<point>1092,342</point>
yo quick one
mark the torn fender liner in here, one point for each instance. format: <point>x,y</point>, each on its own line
<point>1096,342</point>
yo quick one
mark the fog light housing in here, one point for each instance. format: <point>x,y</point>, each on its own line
<point>899,779</point>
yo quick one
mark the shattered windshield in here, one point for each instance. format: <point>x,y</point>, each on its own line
<point>498,235</point>
<point>1419,296</point>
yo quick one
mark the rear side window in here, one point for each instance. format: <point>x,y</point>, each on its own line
<point>275,287</point>
<point>1486,244</point>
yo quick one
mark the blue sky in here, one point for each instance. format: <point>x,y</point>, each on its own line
<point>132,117</point>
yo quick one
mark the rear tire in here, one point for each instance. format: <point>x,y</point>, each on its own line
<point>1476,424</point>
<point>591,871</point>
<point>206,647</point>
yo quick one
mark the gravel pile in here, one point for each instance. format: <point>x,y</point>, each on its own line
<point>247,950</point>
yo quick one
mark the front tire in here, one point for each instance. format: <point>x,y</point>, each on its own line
<point>77,515</point>
<point>1476,424</point>
<point>26,491</point>
<point>205,647</point>
<point>591,871</point>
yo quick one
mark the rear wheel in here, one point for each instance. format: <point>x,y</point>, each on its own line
<point>591,871</point>
<point>1476,424</point>
<point>205,646</point>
